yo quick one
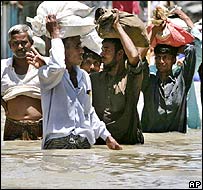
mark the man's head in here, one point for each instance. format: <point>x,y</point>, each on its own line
<point>20,40</point>
<point>91,61</point>
<point>165,57</point>
<point>112,52</point>
<point>73,50</point>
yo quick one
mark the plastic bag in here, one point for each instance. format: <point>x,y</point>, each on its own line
<point>75,18</point>
<point>171,35</point>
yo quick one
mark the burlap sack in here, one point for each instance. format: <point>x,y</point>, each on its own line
<point>131,23</point>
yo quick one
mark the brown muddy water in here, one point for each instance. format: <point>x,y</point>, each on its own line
<point>165,161</point>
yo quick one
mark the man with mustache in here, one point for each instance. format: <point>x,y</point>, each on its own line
<point>69,119</point>
<point>116,89</point>
<point>20,90</point>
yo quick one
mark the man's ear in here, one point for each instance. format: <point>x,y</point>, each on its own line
<point>120,54</point>
<point>32,41</point>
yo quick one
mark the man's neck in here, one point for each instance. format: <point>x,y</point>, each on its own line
<point>73,75</point>
<point>164,76</point>
<point>117,69</point>
<point>20,65</point>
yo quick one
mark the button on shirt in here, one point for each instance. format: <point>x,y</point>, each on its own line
<point>67,109</point>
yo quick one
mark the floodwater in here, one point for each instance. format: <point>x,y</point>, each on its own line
<point>165,161</point>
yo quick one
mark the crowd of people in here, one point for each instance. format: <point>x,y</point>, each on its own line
<point>75,98</point>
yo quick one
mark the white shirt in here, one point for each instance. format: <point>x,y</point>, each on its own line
<point>12,85</point>
<point>67,109</point>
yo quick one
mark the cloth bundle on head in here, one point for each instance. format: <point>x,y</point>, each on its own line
<point>92,41</point>
<point>39,44</point>
<point>172,34</point>
<point>74,18</point>
<point>131,23</point>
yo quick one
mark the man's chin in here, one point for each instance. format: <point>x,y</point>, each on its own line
<point>20,56</point>
<point>161,68</point>
<point>78,63</point>
<point>109,65</point>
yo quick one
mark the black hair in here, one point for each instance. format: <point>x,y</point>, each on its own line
<point>20,28</point>
<point>117,43</point>
<point>91,54</point>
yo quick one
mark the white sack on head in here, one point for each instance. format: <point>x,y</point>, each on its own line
<point>92,41</point>
<point>75,18</point>
<point>39,44</point>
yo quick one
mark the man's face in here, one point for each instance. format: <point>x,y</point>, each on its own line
<point>108,53</point>
<point>164,62</point>
<point>73,50</point>
<point>91,65</point>
<point>20,44</point>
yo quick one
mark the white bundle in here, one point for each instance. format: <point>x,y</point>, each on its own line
<point>92,41</point>
<point>75,18</point>
<point>39,44</point>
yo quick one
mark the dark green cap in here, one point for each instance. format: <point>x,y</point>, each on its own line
<point>165,49</point>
